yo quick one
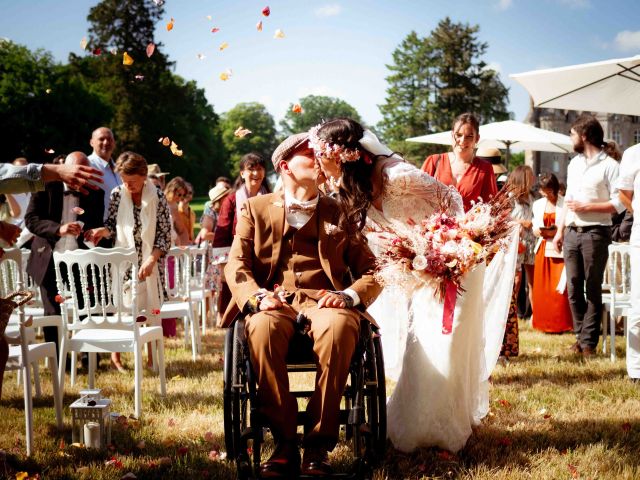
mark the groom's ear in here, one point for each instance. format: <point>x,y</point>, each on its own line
<point>283,166</point>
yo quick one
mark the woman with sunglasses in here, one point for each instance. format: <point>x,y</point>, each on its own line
<point>176,191</point>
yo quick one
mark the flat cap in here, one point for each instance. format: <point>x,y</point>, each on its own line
<point>288,147</point>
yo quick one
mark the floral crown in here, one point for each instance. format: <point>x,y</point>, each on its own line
<point>333,151</point>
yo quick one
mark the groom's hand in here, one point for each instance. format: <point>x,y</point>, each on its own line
<point>331,300</point>
<point>270,303</point>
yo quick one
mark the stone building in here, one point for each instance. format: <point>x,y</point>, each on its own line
<point>622,129</point>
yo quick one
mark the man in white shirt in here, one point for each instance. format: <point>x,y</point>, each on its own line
<point>629,185</point>
<point>103,144</point>
<point>591,198</point>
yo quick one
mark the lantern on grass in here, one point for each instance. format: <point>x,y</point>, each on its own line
<point>91,419</point>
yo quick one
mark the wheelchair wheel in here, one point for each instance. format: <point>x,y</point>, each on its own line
<point>227,394</point>
<point>380,430</point>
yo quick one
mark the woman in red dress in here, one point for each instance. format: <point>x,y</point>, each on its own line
<point>470,175</point>
<point>551,313</point>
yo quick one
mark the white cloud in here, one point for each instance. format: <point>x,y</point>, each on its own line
<point>627,40</point>
<point>329,10</point>
<point>504,4</point>
<point>576,3</point>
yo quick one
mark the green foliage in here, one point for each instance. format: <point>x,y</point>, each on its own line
<point>32,120</point>
<point>516,160</point>
<point>316,109</point>
<point>262,139</point>
<point>435,78</point>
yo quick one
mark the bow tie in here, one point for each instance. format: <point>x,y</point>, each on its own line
<point>297,208</point>
<point>71,192</point>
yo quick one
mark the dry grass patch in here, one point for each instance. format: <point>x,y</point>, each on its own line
<point>552,417</point>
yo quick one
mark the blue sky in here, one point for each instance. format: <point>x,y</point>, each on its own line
<point>340,48</point>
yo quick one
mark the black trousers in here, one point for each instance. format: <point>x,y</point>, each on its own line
<point>585,258</point>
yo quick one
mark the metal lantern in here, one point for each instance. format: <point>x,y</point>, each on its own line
<point>91,419</point>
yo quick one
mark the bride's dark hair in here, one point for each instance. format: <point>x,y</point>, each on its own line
<point>356,188</point>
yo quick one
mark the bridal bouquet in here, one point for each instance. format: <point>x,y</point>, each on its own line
<point>440,249</point>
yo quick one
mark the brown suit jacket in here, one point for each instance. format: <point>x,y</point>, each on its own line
<point>255,253</point>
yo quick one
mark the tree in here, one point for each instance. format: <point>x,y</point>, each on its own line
<point>149,101</point>
<point>262,139</point>
<point>434,79</point>
<point>43,105</point>
<point>316,109</point>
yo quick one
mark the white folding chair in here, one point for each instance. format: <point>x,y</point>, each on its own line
<point>35,307</point>
<point>199,292</point>
<point>179,303</point>
<point>617,302</point>
<point>22,356</point>
<point>109,320</point>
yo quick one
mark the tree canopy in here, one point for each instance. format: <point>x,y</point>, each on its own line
<point>435,78</point>
<point>262,139</point>
<point>316,109</point>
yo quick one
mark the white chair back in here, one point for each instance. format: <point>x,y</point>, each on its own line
<point>198,269</point>
<point>619,266</point>
<point>177,274</point>
<point>93,281</point>
<point>11,272</point>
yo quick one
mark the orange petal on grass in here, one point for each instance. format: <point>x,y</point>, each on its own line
<point>573,470</point>
<point>266,11</point>
<point>208,437</point>
<point>127,59</point>
<point>504,403</point>
<point>150,49</point>
<point>182,451</point>
<point>505,442</point>
<point>626,427</point>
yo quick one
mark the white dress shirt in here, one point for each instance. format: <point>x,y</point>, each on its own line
<point>629,179</point>
<point>592,180</point>
<point>110,178</point>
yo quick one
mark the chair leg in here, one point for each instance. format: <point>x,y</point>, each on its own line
<point>61,363</point>
<point>194,336</point>
<point>92,369</point>
<point>604,330</point>
<point>28,407</point>
<point>36,379</point>
<point>203,314</point>
<point>57,394</point>
<point>161,372</point>
<point>73,367</point>
<point>137,353</point>
<point>612,335</point>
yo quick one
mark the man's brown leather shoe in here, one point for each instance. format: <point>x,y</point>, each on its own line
<point>315,462</point>
<point>576,348</point>
<point>283,463</point>
<point>588,353</point>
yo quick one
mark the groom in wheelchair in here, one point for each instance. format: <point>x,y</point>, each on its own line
<point>291,259</point>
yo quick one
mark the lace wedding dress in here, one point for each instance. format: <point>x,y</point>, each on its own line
<point>442,380</point>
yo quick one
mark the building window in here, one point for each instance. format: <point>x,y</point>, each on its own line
<point>635,119</point>
<point>636,137</point>
<point>617,137</point>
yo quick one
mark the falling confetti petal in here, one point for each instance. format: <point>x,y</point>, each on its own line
<point>166,141</point>
<point>182,451</point>
<point>139,77</point>
<point>266,11</point>
<point>47,91</point>
<point>201,56</point>
<point>50,151</point>
<point>241,132</point>
<point>141,319</point>
<point>224,76</point>
<point>170,25</point>
<point>171,422</point>
<point>223,46</point>
<point>159,3</point>
<point>626,427</point>
<point>83,43</point>
<point>209,17</point>
<point>215,30</point>
<point>259,26</point>
<point>155,311</point>
<point>97,51</point>
<point>297,108</point>
<point>22,476</point>
<point>279,34</point>
<point>78,210</point>
<point>175,150</point>
<point>150,49</point>
<point>113,51</point>
<point>127,59</point>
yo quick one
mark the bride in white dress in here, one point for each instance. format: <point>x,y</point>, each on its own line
<point>442,379</point>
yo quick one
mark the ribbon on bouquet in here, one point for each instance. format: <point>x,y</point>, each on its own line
<point>450,296</point>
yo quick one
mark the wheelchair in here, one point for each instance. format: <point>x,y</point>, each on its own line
<point>363,415</point>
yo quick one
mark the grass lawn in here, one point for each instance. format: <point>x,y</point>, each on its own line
<point>552,417</point>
